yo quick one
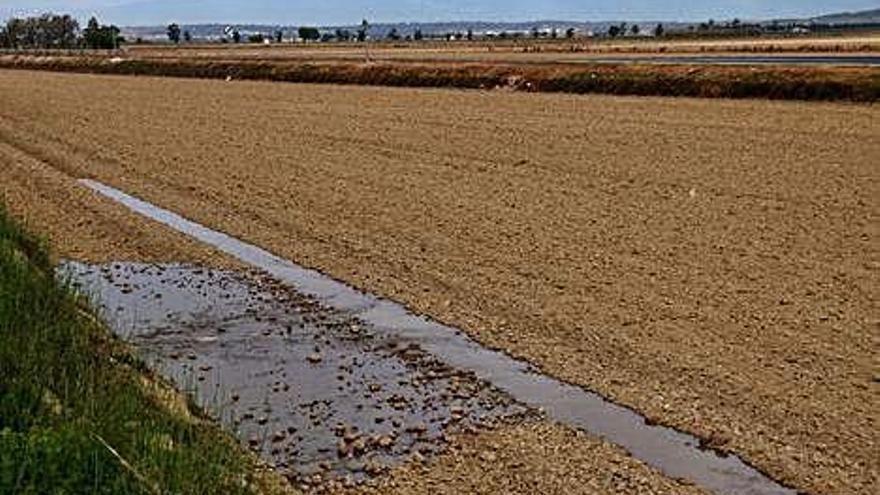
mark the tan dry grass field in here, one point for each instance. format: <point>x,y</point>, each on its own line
<point>713,264</point>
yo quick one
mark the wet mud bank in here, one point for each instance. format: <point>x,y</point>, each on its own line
<point>316,393</point>
<point>674,453</point>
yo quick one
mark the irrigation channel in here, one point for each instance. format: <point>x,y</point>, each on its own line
<point>327,381</point>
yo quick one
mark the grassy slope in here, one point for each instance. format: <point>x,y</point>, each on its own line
<point>68,392</point>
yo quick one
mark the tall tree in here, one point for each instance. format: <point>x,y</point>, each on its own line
<point>309,33</point>
<point>659,30</point>
<point>362,32</point>
<point>97,36</point>
<point>45,31</point>
<point>174,33</point>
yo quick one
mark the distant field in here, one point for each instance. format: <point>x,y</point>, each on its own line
<point>646,78</point>
<point>810,68</point>
<point>711,263</point>
<point>520,51</point>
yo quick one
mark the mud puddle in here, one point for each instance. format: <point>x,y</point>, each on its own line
<point>318,394</point>
<point>674,453</point>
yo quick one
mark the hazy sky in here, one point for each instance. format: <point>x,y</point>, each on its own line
<point>140,12</point>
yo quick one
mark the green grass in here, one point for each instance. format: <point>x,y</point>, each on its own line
<point>69,394</point>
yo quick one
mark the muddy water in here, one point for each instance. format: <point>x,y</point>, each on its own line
<point>317,393</point>
<point>674,453</point>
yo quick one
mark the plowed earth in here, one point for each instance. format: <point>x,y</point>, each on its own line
<point>713,264</point>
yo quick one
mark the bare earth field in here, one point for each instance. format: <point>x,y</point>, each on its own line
<point>536,458</point>
<point>713,264</point>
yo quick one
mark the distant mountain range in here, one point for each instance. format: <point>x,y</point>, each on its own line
<point>381,30</point>
<point>863,17</point>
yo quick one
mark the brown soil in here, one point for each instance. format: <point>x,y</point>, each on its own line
<point>534,458</point>
<point>712,263</point>
<point>81,225</point>
<point>86,227</point>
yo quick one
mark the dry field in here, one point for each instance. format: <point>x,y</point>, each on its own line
<point>713,264</point>
<point>523,51</point>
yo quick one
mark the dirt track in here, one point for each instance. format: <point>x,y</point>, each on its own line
<point>712,263</point>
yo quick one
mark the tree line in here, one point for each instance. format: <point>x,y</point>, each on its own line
<point>58,31</point>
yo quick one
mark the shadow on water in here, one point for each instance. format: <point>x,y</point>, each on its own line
<point>674,453</point>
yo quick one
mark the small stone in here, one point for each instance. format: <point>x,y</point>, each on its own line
<point>351,435</point>
<point>385,441</point>
<point>373,468</point>
<point>417,428</point>
<point>358,446</point>
<point>342,448</point>
<point>315,357</point>
<point>489,456</point>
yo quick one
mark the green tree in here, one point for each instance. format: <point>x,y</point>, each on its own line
<point>187,36</point>
<point>236,36</point>
<point>418,36</point>
<point>659,30</point>
<point>362,32</point>
<point>45,31</point>
<point>97,36</point>
<point>569,33</point>
<point>393,35</point>
<point>309,33</point>
<point>174,33</point>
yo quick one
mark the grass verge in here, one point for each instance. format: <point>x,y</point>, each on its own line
<point>792,83</point>
<point>78,413</point>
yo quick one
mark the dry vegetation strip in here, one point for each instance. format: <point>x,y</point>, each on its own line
<point>797,83</point>
<point>712,263</point>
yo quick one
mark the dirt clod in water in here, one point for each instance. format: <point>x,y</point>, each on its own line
<point>315,392</point>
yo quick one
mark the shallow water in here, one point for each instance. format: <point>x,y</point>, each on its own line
<point>674,453</point>
<point>312,390</point>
